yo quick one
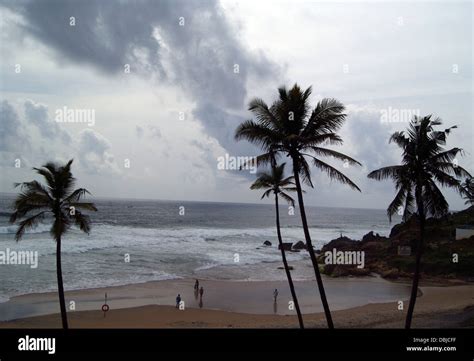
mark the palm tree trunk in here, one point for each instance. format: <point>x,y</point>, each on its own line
<point>285,264</point>
<point>416,276</point>
<point>62,302</point>
<point>309,245</point>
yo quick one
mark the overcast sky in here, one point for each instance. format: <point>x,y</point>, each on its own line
<point>175,112</point>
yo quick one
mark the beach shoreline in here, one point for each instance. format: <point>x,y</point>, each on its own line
<point>240,304</point>
<point>251,297</point>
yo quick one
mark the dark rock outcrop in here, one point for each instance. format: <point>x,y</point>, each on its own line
<point>372,237</point>
<point>382,256</point>
<point>299,245</point>
<point>286,246</point>
<point>341,244</point>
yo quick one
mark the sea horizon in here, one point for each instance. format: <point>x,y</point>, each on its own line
<point>264,202</point>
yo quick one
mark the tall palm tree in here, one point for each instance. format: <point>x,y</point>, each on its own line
<point>424,163</point>
<point>290,128</point>
<point>275,183</point>
<point>58,199</point>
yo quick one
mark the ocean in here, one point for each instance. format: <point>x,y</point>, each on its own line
<point>135,241</point>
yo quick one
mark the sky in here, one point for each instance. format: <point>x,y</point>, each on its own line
<point>165,83</point>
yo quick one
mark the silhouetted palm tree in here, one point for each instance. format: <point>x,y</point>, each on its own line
<point>468,190</point>
<point>290,128</point>
<point>57,198</point>
<point>275,183</point>
<point>424,163</point>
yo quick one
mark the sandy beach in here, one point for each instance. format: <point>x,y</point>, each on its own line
<point>228,304</point>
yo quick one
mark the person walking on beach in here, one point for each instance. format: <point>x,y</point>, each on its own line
<point>201,292</point>
<point>275,295</point>
<point>196,290</point>
<point>178,300</point>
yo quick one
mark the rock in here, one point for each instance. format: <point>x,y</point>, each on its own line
<point>336,270</point>
<point>267,243</point>
<point>360,271</point>
<point>286,246</point>
<point>344,271</point>
<point>289,267</point>
<point>341,244</point>
<point>410,227</point>
<point>299,245</point>
<point>372,237</point>
<point>392,273</point>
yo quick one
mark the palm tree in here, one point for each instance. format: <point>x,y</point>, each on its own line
<point>290,128</point>
<point>468,190</point>
<point>275,183</point>
<point>57,198</point>
<point>424,163</point>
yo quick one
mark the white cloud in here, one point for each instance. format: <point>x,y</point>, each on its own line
<point>37,114</point>
<point>94,153</point>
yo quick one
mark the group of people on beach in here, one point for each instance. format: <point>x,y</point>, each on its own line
<point>200,292</point>
<point>197,291</point>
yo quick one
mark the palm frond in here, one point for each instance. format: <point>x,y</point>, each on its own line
<point>325,152</point>
<point>82,221</point>
<point>400,139</point>
<point>47,172</point>
<point>263,114</point>
<point>266,193</point>
<point>82,205</point>
<point>257,134</point>
<point>434,201</point>
<point>397,202</point>
<point>28,223</point>
<point>327,117</point>
<point>76,195</point>
<point>287,198</point>
<point>450,168</point>
<point>334,174</point>
<point>27,202</point>
<point>386,172</point>
<point>305,171</point>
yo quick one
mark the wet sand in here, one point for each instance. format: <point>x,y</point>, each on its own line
<point>438,307</point>
<point>447,306</point>
<point>251,297</point>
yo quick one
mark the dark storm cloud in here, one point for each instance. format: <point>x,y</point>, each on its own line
<point>204,57</point>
